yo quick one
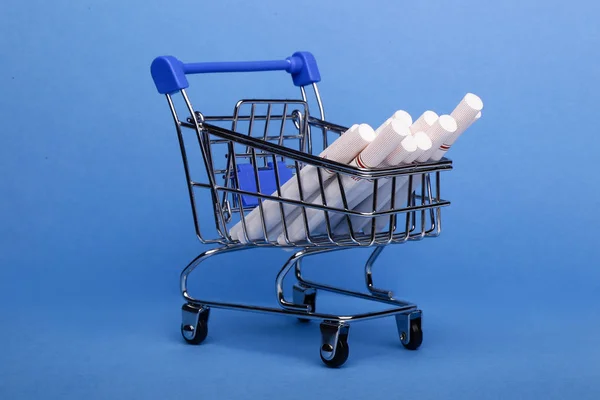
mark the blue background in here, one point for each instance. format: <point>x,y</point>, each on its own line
<point>95,222</point>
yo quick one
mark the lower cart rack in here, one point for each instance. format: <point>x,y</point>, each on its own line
<point>334,328</point>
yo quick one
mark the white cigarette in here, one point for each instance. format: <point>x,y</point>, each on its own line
<point>387,140</point>
<point>407,146</point>
<point>406,149</point>
<point>444,126</point>
<point>424,144</point>
<point>384,195</point>
<point>342,150</point>
<point>345,148</point>
<point>401,197</point>
<point>355,189</point>
<point>465,116</point>
<point>400,115</point>
<point>403,116</point>
<point>384,190</point>
<point>466,113</point>
<point>384,199</point>
<point>399,152</point>
<point>423,123</point>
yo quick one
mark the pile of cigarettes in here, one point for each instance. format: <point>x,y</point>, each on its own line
<point>398,141</point>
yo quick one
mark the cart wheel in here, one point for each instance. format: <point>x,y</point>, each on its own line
<point>416,335</point>
<point>341,354</point>
<point>197,337</point>
<point>194,326</point>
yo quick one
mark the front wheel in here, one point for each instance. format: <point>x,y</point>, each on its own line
<point>416,335</point>
<point>340,356</point>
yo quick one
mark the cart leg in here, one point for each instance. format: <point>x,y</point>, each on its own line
<point>196,261</point>
<point>367,296</point>
<point>369,276</point>
<point>409,329</point>
<point>305,295</point>
<point>194,325</point>
<point>334,347</point>
<point>294,260</point>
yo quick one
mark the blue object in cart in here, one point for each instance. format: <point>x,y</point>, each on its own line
<point>266,179</point>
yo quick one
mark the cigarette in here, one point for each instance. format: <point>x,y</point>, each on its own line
<point>423,123</point>
<point>406,148</point>
<point>355,189</point>
<point>465,116</point>
<point>424,144</point>
<point>467,112</point>
<point>444,126</point>
<point>384,195</point>
<point>403,116</point>
<point>400,115</point>
<point>343,149</point>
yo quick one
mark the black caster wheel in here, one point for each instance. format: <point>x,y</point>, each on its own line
<point>339,358</point>
<point>334,332</point>
<point>195,335</point>
<point>194,327</point>
<point>416,335</point>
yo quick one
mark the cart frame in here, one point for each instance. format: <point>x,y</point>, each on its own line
<point>423,206</point>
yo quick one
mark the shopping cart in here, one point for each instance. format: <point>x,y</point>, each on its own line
<point>245,159</point>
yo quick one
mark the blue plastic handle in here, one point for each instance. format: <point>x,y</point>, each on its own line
<point>169,73</point>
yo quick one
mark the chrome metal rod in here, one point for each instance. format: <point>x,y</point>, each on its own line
<point>196,261</point>
<point>333,166</point>
<point>302,314</point>
<point>328,288</point>
<point>270,310</point>
<point>330,126</point>
<point>369,276</point>
<point>345,210</point>
<point>294,260</point>
<point>319,101</point>
<point>351,293</point>
<point>244,117</point>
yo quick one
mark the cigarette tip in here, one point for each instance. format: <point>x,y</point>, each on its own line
<point>474,101</point>
<point>366,131</point>
<point>404,116</point>
<point>448,123</point>
<point>430,117</point>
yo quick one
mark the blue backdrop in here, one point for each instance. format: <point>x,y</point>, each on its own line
<point>95,222</point>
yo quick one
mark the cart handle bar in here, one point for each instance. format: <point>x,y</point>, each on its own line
<point>169,73</point>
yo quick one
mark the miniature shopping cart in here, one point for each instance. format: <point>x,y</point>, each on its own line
<point>236,163</point>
